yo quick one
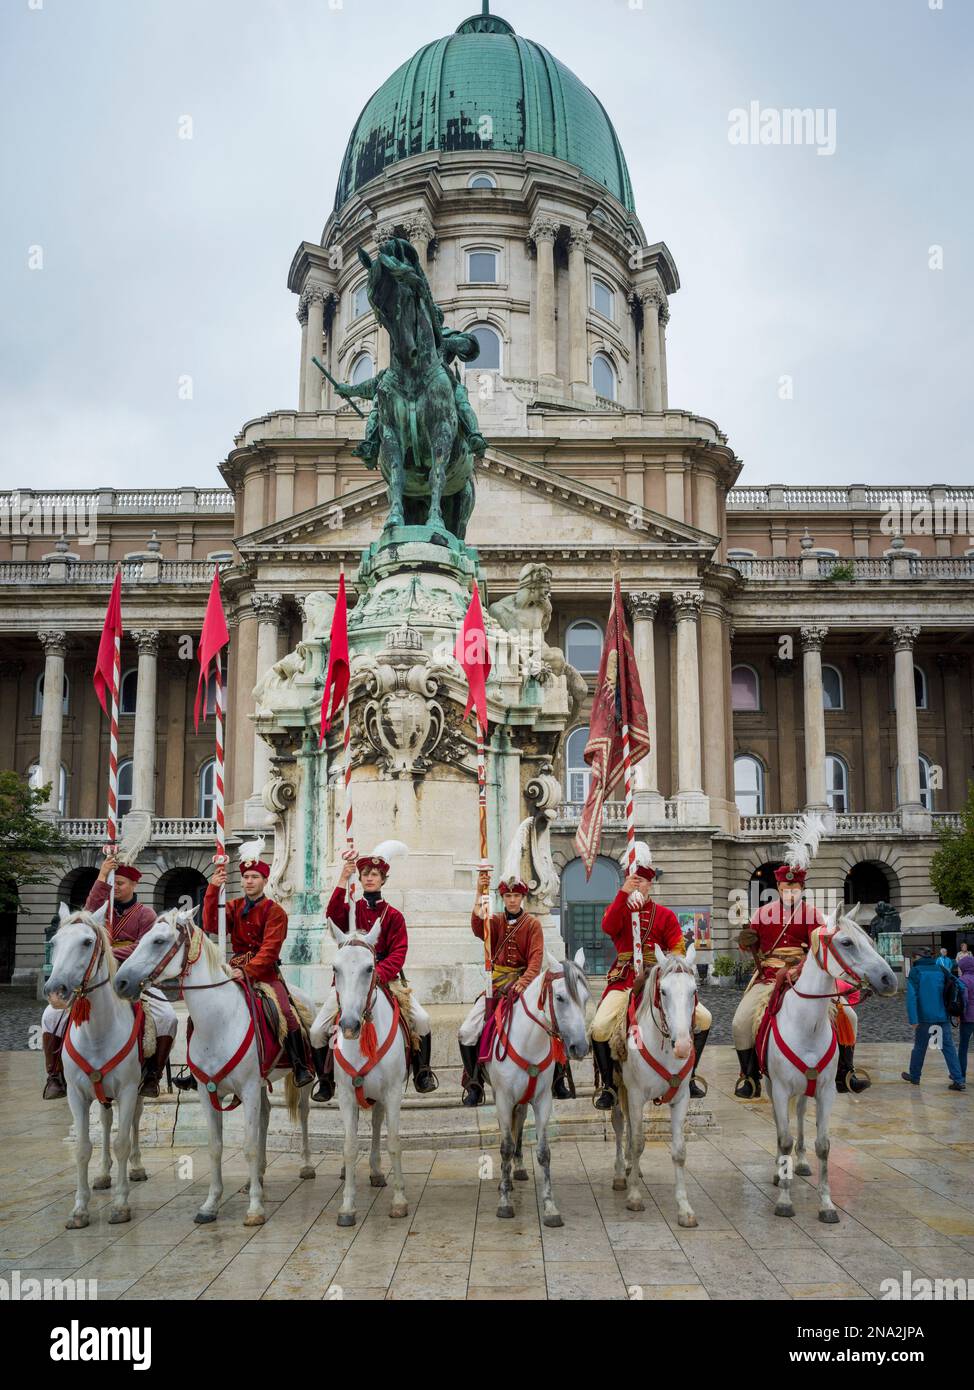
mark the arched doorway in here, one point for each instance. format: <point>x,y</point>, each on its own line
<point>9,902</point>
<point>180,887</point>
<point>762,887</point>
<point>583,903</point>
<point>868,883</point>
<point>76,886</point>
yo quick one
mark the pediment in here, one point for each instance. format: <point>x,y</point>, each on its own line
<point>518,503</point>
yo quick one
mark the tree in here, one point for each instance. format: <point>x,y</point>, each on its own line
<point>952,867</point>
<point>26,840</point>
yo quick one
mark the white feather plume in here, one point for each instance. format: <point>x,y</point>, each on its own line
<point>251,849</point>
<point>136,831</point>
<point>803,845</point>
<point>390,850</point>
<point>644,857</point>
<point>515,851</point>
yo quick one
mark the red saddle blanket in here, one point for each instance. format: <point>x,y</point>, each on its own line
<point>269,1047</point>
<point>501,1009</point>
<point>783,982</point>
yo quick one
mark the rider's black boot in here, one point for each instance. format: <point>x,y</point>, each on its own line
<point>563,1083</point>
<point>55,1087</point>
<point>749,1082</point>
<point>424,1077</point>
<point>325,1071</point>
<point>846,1077</point>
<point>153,1067</point>
<point>602,1053</point>
<point>297,1055</point>
<point>473,1093</point>
<point>698,1089</point>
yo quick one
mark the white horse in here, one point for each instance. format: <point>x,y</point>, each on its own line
<point>175,948</point>
<point>373,1082</point>
<point>101,1057</point>
<point>802,1054</point>
<point>550,1012</point>
<point>658,1067</point>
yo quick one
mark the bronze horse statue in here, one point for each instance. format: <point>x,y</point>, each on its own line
<point>422,430</point>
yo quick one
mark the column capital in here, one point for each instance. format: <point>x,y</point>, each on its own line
<point>268,607</point>
<point>302,314</point>
<point>579,238</point>
<point>642,603</point>
<point>687,604</point>
<point>651,295</point>
<point>417,224</point>
<point>664,313</point>
<point>54,641</point>
<point>147,641</point>
<point>813,638</point>
<point>543,228</point>
<point>385,231</point>
<point>313,293</point>
<point>904,638</point>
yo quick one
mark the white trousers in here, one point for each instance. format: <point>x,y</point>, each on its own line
<point>473,1025</point>
<point>163,1015</point>
<point>324,1024</point>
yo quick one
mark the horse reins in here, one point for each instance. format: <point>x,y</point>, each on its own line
<point>503,1047</point>
<point>674,1079</point>
<point>359,1074</point>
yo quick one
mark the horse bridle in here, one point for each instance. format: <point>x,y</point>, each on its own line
<point>184,940</point>
<point>656,999</point>
<point>826,940</point>
<point>82,990</point>
<point>370,996</point>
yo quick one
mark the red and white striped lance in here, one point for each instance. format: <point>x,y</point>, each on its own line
<point>485,899</point>
<point>637,943</point>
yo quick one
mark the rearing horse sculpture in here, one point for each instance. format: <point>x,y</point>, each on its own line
<point>422,431</point>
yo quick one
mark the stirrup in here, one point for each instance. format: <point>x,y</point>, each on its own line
<point>699,1082</point>
<point>606,1091</point>
<point>425,1074</point>
<point>861,1076</point>
<point>753,1091</point>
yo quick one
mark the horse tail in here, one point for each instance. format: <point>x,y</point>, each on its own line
<point>292,1094</point>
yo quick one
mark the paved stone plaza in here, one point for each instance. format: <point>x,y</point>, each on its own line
<point>901,1176</point>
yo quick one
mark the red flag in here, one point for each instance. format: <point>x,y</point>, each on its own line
<point>471,652</point>
<point>213,639</point>
<point>336,680</point>
<point>618,700</point>
<point>105,664</point>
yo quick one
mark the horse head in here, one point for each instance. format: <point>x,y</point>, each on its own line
<point>157,955</point>
<point>76,944</point>
<point>569,995</point>
<point>845,951</point>
<point>354,973</point>
<point>676,981</point>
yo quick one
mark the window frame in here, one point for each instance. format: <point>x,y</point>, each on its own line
<point>746,666</point>
<point>62,794</point>
<point>833,709</point>
<point>584,772</point>
<point>606,358</point>
<point>759,792</point>
<point>39,695</point>
<point>481,174</point>
<point>131,674</point>
<point>126,765</point>
<point>206,768</point>
<point>477,365</point>
<point>356,358</point>
<point>584,622</point>
<point>831,792</point>
<point>469,251</point>
<point>360,288</point>
<point>600,280</point>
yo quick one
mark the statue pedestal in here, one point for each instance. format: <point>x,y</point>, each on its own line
<point>414,767</point>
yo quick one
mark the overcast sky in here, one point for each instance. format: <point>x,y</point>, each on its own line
<point>165,258</point>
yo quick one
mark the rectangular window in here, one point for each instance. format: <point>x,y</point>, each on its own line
<point>482,267</point>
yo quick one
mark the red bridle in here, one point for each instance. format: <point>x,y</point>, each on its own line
<point>674,1079</point>
<point>503,1047</point>
<point>367,1040</point>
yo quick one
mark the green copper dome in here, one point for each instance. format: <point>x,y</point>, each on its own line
<point>439,99</point>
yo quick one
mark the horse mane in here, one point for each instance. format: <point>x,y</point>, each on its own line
<point>211,951</point>
<point>575,981</point>
<point>83,918</point>
<point>674,962</point>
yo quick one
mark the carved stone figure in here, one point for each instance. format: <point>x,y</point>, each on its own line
<point>526,615</point>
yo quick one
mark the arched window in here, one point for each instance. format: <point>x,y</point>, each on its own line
<point>362,369</point>
<point>125,787</point>
<point>39,695</point>
<point>489,357</point>
<point>481,180</point>
<point>749,785</point>
<point>482,266</point>
<point>34,780</point>
<point>926,784</point>
<point>578,774</point>
<point>360,300</point>
<point>745,688</point>
<point>583,646</point>
<point>128,692</point>
<point>603,298</point>
<point>583,904</point>
<point>832,687</point>
<point>920,686</point>
<point>207,802</point>
<point>604,376</point>
<point>836,783</point>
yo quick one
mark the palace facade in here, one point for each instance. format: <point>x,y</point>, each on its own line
<point>800,646</point>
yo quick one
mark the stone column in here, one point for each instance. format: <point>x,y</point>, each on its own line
<point>543,232</point>
<point>579,240</point>
<point>652,300</point>
<point>907,737</point>
<point>302,318</point>
<point>644,605</point>
<point>664,318</point>
<point>694,809</point>
<point>144,736</point>
<point>313,302</point>
<point>269,612</point>
<point>54,642</point>
<point>714,710</point>
<point>812,640</point>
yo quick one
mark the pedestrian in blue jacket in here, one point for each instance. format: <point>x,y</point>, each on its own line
<point>927,1011</point>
